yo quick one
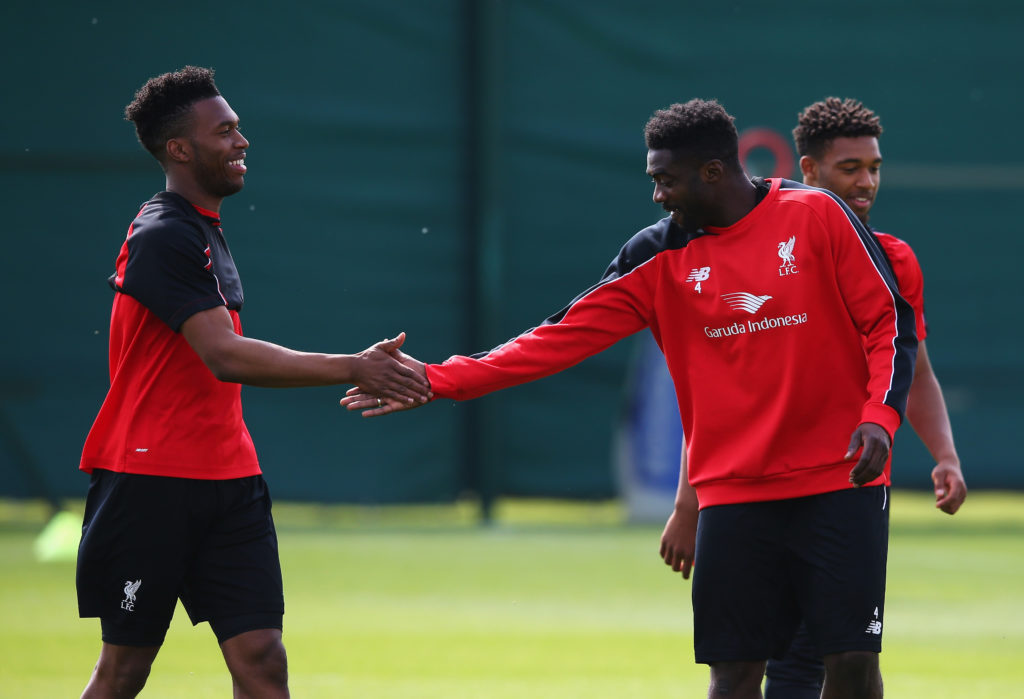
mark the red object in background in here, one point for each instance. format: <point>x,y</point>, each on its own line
<point>781,150</point>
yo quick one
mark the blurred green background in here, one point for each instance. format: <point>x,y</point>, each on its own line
<point>460,170</point>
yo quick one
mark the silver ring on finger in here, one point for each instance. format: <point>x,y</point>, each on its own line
<point>380,403</point>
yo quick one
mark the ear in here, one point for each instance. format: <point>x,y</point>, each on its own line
<point>712,171</point>
<point>809,169</point>
<point>179,150</point>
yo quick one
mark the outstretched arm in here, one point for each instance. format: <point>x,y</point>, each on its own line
<point>237,359</point>
<point>679,538</point>
<point>926,410</point>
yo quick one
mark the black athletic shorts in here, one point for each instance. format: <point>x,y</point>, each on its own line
<point>148,541</point>
<point>762,567</point>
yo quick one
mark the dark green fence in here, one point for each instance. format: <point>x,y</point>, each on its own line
<point>459,170</point>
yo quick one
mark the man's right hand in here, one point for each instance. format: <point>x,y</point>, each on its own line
<point>383,370</point>
<point>679,540</point>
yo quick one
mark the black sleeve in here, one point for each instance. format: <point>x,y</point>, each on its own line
<point>168,269</point>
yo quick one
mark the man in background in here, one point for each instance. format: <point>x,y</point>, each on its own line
<point>837,141</point>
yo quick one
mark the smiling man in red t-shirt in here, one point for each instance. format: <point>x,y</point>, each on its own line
<point>177,506</point>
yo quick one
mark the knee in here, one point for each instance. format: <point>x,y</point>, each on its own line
<point>854,669</point>
<point>735,679</point>
<point>274,663</point>
<point>120,679</point>
<point>259,658</point>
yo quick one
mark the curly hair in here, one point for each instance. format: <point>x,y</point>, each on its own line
<point>162,106</point>
<point>833,118</point>
<point>700,128</point>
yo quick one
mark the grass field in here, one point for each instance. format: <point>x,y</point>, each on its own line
<point>553,600</point>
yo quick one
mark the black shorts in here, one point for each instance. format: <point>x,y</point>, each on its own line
<point>148,541</point>
<point>762,567</point>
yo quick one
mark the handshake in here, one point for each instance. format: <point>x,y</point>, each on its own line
<point>388,381</point>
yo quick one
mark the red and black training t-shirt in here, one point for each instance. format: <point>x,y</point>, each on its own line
<point>165,413</point>
<point>909,276</point>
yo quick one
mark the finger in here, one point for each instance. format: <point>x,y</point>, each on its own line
<point>687,567</point>
<point>403,389</point>
<point>957,493</point>
<point>416,386</point>
<point>669,556</point>
<point>356,393</point>
<point>359,403</point>
<point>860,473</point>
<point>383,408</point>
<point>855,443</point>
<point>945,503</point>
<point>409,377</point>
<point>405,396</point>
<point>392,344</point>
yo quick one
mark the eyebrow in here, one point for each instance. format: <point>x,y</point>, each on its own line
<point>856,161</point>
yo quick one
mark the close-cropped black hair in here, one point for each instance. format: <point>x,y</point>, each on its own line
<point>161,107</point>
<point>701,129</point>
<point>833,118</point>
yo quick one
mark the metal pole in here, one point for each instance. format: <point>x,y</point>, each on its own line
<point>483,222</point>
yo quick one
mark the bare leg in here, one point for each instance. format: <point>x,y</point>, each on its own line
<point>258,664</point>
<point>120,672</point>
<point>737,680</point>
<point>852,675</point>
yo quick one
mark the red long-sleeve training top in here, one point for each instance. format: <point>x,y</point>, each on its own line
<point>782,333</point>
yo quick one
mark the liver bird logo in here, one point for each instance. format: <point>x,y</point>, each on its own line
<point>786,251</point>
<point>130,588</point>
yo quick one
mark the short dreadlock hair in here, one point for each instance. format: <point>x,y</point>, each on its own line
<point>832,118</point>
<point>161,108</point>
<point>700,128</point>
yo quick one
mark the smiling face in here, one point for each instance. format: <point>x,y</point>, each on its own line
<point>849,167</point>
<point>678,188</point>
<point>218,148</point>
<point>207,163</point>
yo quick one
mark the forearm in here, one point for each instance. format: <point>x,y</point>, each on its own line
<point>926,411</point>
<point>686,496</point>
<point>259,363</point>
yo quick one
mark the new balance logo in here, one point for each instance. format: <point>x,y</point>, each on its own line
<point>875,625</point>
<point>743,301</point>
<point>130,588</point>
<point>698,274</point>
